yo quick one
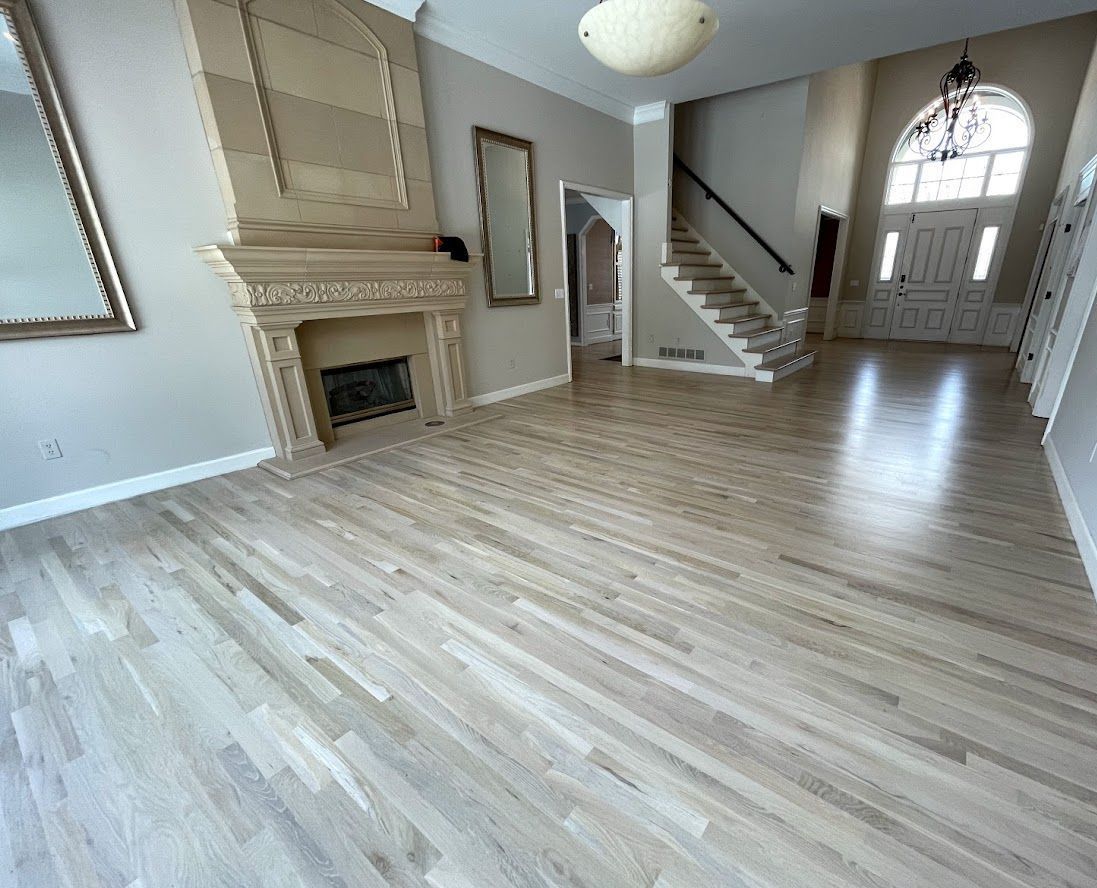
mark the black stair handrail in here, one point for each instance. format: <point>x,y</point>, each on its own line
<point>783,266</point>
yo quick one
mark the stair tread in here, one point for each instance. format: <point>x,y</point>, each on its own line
<point>754,334</point>
<point>730,304</point>
<point>730,292</point>
<point>770,348</point>
<point>693,264</point>
<point>716,278</point>
<point>684,240</point>
<point>782,363</point>
<point>743,319</point>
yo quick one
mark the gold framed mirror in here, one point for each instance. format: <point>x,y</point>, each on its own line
<point>508,218</point>
<point>57,275</point>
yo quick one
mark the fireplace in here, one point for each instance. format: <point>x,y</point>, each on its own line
<point>367,391</point>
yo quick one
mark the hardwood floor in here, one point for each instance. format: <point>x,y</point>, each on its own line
<point>651,629</point>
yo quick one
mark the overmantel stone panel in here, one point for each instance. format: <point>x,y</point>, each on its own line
<point>313,111</point>
<point>275,290</point>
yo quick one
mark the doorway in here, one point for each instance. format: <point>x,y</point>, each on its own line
<point>597,241</point>
<point>828,264</point>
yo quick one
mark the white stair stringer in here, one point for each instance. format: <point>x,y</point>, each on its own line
<point>729,306</point>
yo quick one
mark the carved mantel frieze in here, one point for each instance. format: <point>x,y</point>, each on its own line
<point>276,289</point>
<point>261,295</point>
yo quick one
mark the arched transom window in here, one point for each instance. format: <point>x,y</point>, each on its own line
<point>993,170</point>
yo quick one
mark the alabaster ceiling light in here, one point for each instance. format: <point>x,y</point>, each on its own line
<point>645,38</point>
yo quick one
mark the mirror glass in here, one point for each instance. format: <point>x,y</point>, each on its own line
<point>505,167</point>
<point>50,279</point>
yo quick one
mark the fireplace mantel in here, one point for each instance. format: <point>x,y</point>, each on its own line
<point>276,289</point>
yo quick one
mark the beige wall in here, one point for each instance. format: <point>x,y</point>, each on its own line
<point>775,153</point>
<point>180,390</point>
<point>839,106</point>
<point>1082,144</point>
<point>570,142</point>
<point>1045,64</point>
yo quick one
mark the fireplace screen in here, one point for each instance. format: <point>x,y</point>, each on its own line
<point>366,391</point>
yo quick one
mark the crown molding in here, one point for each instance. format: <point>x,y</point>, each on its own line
<point>433,27</point>
<point>650,113</point>
<point>406,9</point>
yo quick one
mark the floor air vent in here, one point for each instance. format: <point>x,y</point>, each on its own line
<point>688,354</point>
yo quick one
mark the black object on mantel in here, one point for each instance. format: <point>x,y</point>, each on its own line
<point>456,248</point>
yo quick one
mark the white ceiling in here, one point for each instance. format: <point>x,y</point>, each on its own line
<point>759,41</point>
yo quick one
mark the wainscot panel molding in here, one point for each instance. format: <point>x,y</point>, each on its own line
<point>850,317</point>
<point>1001,324</point>
<point>77,501</point>
<point>795,324</point>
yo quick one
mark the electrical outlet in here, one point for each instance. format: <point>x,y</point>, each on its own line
<point>50,449</point>
<point>512,364</point>
<point>651,339</point>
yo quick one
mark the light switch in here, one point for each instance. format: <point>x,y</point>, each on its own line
<point>559,294</point>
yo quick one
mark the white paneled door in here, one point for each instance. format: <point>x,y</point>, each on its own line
<point>932,274</point>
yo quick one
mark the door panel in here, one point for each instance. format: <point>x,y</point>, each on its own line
<point>932,275</point>
<point>890,248</point>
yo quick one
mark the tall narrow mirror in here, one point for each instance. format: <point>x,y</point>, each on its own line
<point>57,276</point>
<point>504,168</point>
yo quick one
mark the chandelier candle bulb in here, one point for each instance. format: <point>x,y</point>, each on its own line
<point>646,38</point>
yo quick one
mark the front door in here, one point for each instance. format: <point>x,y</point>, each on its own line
<point>931,274</point>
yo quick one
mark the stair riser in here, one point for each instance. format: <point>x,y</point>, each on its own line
<point>747,326</point>
<point>687,258</point>
<point>769,339</point>
<point>736,311</point>
<point>774,375</point>
<point>707,286</point>
<point>784,351</point>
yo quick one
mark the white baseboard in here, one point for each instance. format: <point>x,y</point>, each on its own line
<point>692,367</point>
<point>527,388</point>
<point>1083,535</point>
<point>78,500</point>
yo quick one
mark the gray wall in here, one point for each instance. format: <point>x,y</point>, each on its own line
<point>180,390</point>
<point>1045,64</point>
<point>748,146</point>
<point>578,215</point>
<point>570,142</point>
<point>1074,432</point>
<point>660,316</point>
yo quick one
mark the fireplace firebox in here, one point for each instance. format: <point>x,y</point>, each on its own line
<point>367,391</point>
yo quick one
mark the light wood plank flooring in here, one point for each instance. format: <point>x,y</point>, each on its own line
<point>650,629</point>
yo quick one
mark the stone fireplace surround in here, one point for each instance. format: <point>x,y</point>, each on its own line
<point>276,289</point>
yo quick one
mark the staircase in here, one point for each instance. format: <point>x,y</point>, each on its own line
<point>729,306</point>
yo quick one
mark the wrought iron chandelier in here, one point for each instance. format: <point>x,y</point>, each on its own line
<point>956,124</point>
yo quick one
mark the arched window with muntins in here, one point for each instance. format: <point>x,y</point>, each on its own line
<point>993,170</point>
